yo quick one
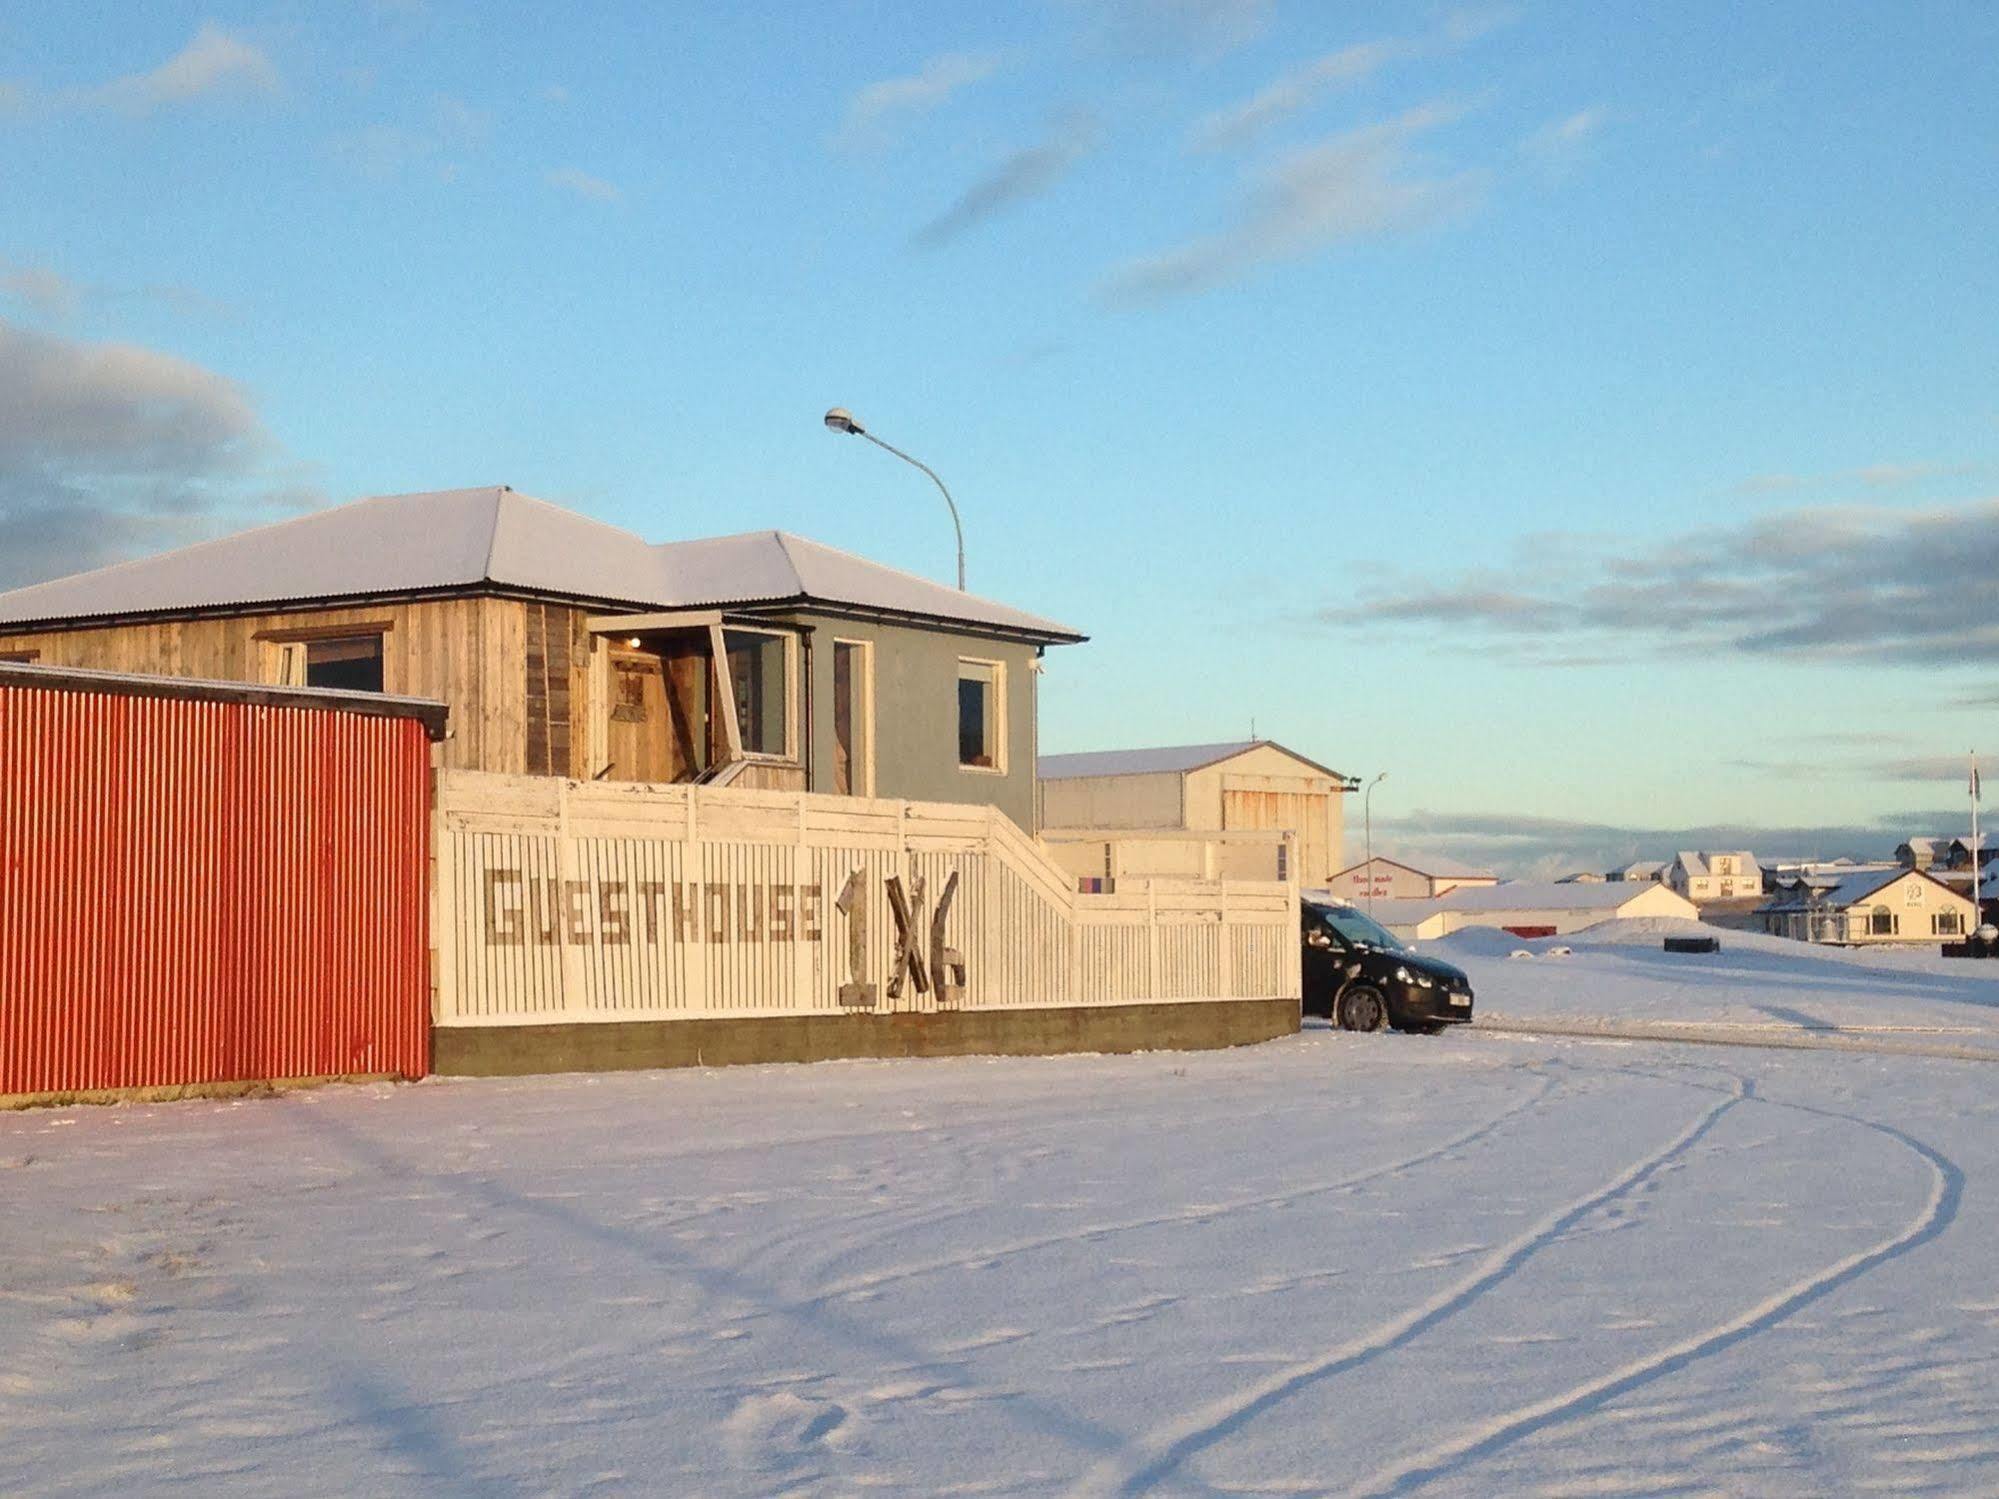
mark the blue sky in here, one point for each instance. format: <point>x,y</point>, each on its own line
<point>1586,413</point>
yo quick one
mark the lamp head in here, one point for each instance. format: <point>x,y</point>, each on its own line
<point>840,419</point>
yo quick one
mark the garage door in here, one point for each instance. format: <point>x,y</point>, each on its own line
<point>1303,813</point>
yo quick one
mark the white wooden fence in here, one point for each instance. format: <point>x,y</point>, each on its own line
<point>564,901</point>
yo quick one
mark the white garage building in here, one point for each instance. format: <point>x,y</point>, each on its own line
<point>1123,808</point>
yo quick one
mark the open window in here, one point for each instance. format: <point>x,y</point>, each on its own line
<point>346,659</point>
<point>981,715</point>
<point>853,718</point>
<point>760,677</point>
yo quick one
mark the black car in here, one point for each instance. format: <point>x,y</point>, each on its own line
<point>1361,977</point>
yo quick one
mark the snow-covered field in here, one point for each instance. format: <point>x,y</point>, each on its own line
<point>1484,1263</point>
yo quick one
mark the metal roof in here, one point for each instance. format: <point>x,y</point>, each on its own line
<point>1432,865</point>
<point>1524,895</point>
<point>1171,759</point>
<point>461,538</point>
<point>434,716</point>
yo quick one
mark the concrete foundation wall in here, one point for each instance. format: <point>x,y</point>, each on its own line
<point>1187,1025</point>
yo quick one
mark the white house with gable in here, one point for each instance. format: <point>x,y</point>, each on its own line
<point>1714,876</point>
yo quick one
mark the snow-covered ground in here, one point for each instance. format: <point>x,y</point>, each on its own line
<point>1757,988</point>
<point>1483,1263</point>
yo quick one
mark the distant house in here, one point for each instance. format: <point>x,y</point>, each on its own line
<point>1531,909</point>
<point>1406,877</point>
<point>566,647</point>
<point>1136,799</point>
<point>1706,876</point>
<point>1870,908</point>
<point>1644,870</point>
<point>1583,877</point>
<point>1922,852</point>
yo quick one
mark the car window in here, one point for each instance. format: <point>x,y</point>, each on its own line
<point>1355,926</point>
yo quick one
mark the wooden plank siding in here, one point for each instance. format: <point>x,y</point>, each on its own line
<point>466,652</point>
<point>567,901</point>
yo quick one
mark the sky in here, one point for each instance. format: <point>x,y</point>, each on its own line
<point>1587,415</point>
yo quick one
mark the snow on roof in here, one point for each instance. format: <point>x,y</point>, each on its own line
<point>1166,760</point>
<point>1530,895</point>
<point>459,538</point>
<point>1645,870</point>
<point>1861,884</point>
<point>1434,865</point>
<point>1698,864</point>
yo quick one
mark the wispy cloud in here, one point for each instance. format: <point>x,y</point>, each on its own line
<point>107,449</point>
<point>1171,28</point>
<point>1560,145</point>
<point>581,184</point>
<point>47,294</point>
<point>1298,88</point>
<point>437,146</point>
<point>1360,185</point>
<point>876,112</point>
<point>1873,475</point>
<point>1024,175</point>
<point>214,62</point>
<point>1845,583</point>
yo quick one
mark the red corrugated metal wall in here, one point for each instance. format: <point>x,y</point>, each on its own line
<point>200,891</point>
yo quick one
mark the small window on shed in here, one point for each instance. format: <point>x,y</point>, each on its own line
<point>18,658</point>
<point>981,733</point>
<point>350,664</point>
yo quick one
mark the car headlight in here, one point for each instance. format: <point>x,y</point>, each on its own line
<point>1402,976</point>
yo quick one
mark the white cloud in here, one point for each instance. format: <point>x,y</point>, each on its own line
<point>583,185</point>
<point>213,62</point>
<point>1300,87</point>
<point>107,449</point>
<point>874,113</point>
<point>1355,186</point>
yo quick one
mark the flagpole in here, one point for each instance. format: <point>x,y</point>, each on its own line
<point>1977,873</point>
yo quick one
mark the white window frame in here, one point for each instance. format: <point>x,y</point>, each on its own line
<point>726,681</point>
<point>861,776</point>
<point>999,723</point>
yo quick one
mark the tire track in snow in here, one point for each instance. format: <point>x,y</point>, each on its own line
<point>1488,1437</point>
<point>889,1275</point>
<point>1158,1454</point>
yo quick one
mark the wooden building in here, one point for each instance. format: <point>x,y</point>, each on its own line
<point>572,648</point>
<point>1098,801</point>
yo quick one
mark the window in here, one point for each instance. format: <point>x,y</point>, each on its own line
<point>1881,924</point>
<point>1947,924</point>
<point>18,658</point>
<point>351,664</point>
<point>760,675</point>
<point>853,718</point>
<point>981,708</point>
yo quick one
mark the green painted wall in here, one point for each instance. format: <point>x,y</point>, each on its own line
<point>916,713</point>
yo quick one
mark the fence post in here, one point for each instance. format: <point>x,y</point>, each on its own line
<point>1152,937</point>
<point>1228,946</point>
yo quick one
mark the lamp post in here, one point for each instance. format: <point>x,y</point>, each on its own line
<point>1367,816</point>
<point>840,419</point>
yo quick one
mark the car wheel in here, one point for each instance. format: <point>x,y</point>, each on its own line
<point>1363,1009</point>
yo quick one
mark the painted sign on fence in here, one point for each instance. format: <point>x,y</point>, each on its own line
<point>578,901</point>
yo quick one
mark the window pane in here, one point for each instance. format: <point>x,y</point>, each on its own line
<point>978,714</point>
<point>351,665</point>
<point>756,671</point>
<point>848,710</point>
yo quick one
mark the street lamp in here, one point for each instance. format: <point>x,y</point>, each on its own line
<point>1367,815</point>
<point>840,419</point>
